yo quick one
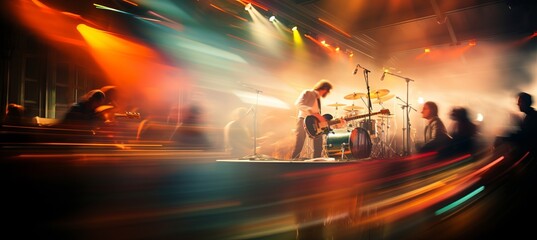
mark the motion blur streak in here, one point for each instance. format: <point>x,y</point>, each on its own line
<point>460,201</point>
<point>151,192</point>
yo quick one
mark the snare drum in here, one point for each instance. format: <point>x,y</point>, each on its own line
<point>349,144</point>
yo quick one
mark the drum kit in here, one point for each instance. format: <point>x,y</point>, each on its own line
<point>363,137</point>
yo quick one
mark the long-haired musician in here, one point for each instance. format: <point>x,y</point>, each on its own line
<point>309,103</point>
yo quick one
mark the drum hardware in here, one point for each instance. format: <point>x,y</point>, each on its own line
<point>343,146</point>
<point>382,148</point>
<point>369,125</point>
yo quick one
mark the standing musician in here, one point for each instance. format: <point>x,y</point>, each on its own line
<point>309,103</point>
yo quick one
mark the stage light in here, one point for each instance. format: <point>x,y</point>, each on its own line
<point>248,7</point>
<point>480,117</point>
<point>472,42</point>
<point>295,28</point>
<point>272,19</point>
<point>421,100</point>
<point>427,50</point>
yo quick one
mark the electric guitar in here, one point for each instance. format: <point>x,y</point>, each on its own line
<point>128,115</point>
<point>314,127</point>
<point>112,117</point>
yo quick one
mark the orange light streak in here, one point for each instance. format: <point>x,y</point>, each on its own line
<point>323,45</point>
<point>334,27</point>
<point>41,5</point>
<point>244,40</point>
<point>131,3</point>
<point>232,14</point>
<point>253,3</point>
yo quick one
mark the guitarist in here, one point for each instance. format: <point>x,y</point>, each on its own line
<point>309,103</point>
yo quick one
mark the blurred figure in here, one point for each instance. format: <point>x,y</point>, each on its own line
<point>436,138</point>
<point>83,114</point>
<point>525,138</point>
<point>111,94</point>
<point>463,131</point>
<point>190,132</point>
<point>14,115</point>
<point>119,123</point>
<point>12,123</point>
<point>109,108</point>
<point>237,138</point>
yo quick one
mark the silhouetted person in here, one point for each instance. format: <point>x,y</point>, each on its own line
<point>237,138</point>
<point>83,115</point>
<point>525,137</point>
<point>436,138</point>
<point>463,131</point>
<point>12,123</point>
<point>110,106</point>
<point>14,115</point>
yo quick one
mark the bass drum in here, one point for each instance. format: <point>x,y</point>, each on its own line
<point>353,144</point>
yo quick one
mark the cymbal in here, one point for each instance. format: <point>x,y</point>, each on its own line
<point>383,99</point>
<point>379,93</point>
<point>353,108</point>
<point>354,96</point>
<point>336,105</point>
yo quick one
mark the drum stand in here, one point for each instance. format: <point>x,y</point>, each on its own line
<point>385,145</point>
<point>343,147</point>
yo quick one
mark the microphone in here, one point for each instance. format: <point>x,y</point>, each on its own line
<point>383,75</point>
<point>358,66</point>
<point>249,87</point>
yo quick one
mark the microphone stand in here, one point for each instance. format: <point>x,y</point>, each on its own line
<point>255,156</point>
<point>407,108</point>
<point>369,124</point>
<point>366,77</point>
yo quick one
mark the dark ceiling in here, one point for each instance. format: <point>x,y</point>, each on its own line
<point>380,29</point>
